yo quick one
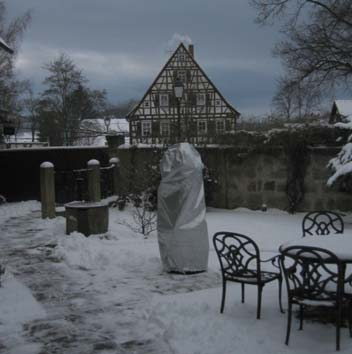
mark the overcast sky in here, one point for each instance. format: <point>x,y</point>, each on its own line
<point>121,45</point>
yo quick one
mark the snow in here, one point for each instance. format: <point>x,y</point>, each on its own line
<point>17,306</point>
<point>93,162</point>
<point>85,205</point>
<point>22,136</point>
<point>341,171</point>
<point>344,107</point>
<point>41,148</point>
<point>114,161</point>
<point>338,244</point>
<point>341,164</point>
<point>47,164</point>
<point>108,291</point>
<point>13,210</point>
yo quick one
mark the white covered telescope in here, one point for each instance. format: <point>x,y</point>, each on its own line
<point>182,229</point>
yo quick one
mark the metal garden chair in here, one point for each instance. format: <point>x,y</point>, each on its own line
<point>314,277</point>
<point>322,223</point>
<point>240,262</point>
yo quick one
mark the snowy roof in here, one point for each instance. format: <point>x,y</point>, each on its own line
<point>5,46</point>
<point>344,107</point>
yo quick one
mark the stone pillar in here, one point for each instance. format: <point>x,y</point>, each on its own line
<point>94,191</point>
<point>47,190</point>
<point>115,161</point>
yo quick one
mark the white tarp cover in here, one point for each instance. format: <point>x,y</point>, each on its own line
<point>182,229</point>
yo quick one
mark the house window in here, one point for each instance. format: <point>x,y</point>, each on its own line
<point>201,99</point>
<point>164,100</point>
<point>164,128</point>
<point>217,102</point>
<point>220,126</point>
<point>146,128</point>
<point>181,57</point>
<point>182,75</point>
<point>147,104</point>
<point>202,127</point>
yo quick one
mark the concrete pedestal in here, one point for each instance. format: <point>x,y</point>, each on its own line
<point>88,218</point>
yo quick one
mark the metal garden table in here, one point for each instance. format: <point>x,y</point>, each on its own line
<point>339,244</point>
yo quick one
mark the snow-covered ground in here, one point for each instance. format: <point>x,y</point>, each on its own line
<point>108,293</point>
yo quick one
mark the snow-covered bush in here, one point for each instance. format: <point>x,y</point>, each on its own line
<point>341,165</point>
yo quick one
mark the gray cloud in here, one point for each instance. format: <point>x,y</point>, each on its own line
<point>121,45</point>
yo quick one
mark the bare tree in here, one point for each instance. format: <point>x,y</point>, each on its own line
<point>296,100</point>
<point>63,80</point>
<point>31,105</point>
<point>144,217</point>
<point>86,103</point>
<point>12,32</point>
<point>69,100</point>
<point>318,46</point>
<point>317,38</point>
<point>120,110</point>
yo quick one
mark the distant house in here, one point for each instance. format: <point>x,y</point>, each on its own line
<point>341,109</point>
<point>93,131</point>
<point>200,116</point>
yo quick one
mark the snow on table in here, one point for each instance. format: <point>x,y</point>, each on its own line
<point>339,244</point>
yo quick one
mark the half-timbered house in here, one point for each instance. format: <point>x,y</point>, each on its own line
<point>202,115</point>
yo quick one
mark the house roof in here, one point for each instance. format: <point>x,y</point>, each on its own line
<point>5,46</point>
<point>131,113</point>
<point>343,107</point>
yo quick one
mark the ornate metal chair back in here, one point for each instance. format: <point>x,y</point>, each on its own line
<point>238,255</point>
<point>322,223</point>
<point>312,273</point>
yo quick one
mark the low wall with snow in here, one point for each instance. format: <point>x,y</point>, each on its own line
<point>236,176</point>
<point>20,172</point>
<point>239,177</point>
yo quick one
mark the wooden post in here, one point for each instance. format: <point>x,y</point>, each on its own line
<point>94,191</point>
<point>115,174</point>
<point>47,190</point>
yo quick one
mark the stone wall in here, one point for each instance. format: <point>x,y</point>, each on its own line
<point>238,177</point>
<point>247,179</point>
<point>318,196</point>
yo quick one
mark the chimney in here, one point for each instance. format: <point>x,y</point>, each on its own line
<point>191,50</point>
